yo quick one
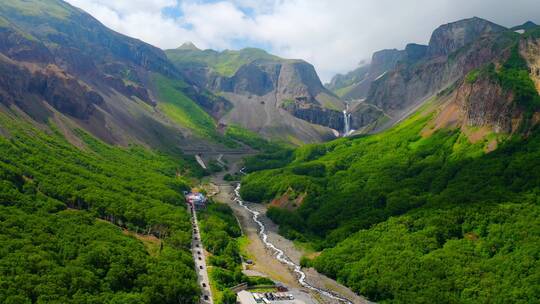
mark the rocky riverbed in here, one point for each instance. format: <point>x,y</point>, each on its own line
<point>264,258</point>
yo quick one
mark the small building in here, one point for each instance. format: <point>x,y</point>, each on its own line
<point>245,297</point>
<point>196,200</point>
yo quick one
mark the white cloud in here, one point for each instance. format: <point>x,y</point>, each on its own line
<point>333,35</point>
<point>217,24</point>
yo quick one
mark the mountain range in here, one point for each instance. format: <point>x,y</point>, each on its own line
<point>126,91</point>
<point>132,91</point>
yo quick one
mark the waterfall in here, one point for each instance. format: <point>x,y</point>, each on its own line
<point>347,121</point>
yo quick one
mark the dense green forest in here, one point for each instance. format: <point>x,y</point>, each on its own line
<point>220,234</point>
<point>62,211</point>
<point>406,217</point>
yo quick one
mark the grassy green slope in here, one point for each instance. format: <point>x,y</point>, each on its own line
<point>43,8</point>
<point>185,112</point>
<point>53,248</point>
<point>180,108</point>
<point>225,63</point>
<point>413,219</point>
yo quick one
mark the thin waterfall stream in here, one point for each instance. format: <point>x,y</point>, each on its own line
<point>346,122</point>
<point>280,255</point>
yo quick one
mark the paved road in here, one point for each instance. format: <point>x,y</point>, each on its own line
<point>200,261</point>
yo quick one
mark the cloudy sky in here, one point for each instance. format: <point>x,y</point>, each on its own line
<point>333,35</point>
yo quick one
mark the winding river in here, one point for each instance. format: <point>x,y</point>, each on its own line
<point>280,255</point>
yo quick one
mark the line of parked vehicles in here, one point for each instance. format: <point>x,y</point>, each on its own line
<point>199,253</point>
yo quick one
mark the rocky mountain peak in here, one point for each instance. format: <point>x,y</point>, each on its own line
<point>188,46</point>
<point>452,36</point>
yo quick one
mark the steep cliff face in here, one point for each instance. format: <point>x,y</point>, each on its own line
<point>79,37</point>
<point>258,78</point>
<point>398,81</point>
<point>408,85</point>
<point>291,86</point>
<point>450,37</point>
<point>316,114</point>
<point>415,52</point>
<point>288,79</point>
<point>65,93</point>
<point>484,103</point>
<point>298,78</point>
<point>500,97</point>
<point>355,85</point>
<point>365,117</point>
<point>530,51</point>
<point>385,60</point>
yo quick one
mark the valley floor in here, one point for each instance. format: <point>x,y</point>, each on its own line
<point>263,259</point>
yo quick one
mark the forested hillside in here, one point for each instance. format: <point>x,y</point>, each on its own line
<point>221,236</point>
<point>63,210</point>
<point>441,208</point>
<point>400,209</point>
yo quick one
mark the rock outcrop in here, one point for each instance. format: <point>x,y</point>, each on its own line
<point>316,114</point>
<point>450,37</point>
<point>364,116</point>
<point>484,103</point>
<point>62,91</point>
<point>530,51</point>
<point>130,89</point>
